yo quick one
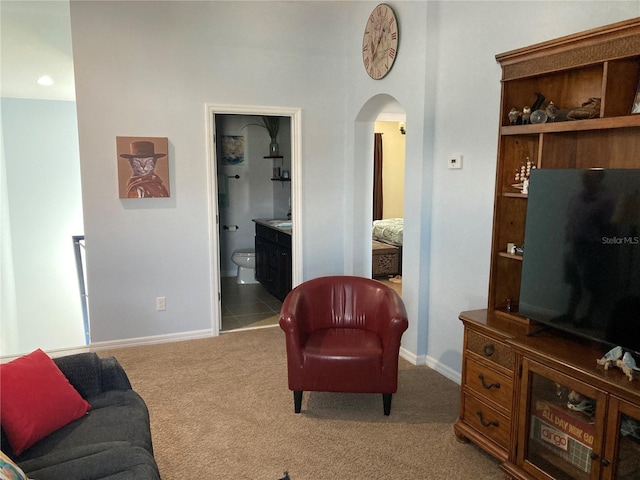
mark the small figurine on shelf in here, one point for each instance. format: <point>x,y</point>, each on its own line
<point>578,403</point>
<point>514,116</point>
<point>552,111</point>
<point>526,115</point>
<point>616,358</point>
<point>589,109</point>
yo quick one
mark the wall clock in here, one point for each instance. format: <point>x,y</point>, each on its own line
<point>380,41</point>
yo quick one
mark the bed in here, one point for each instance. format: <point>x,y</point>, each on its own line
<point>389,230</point>
<point>387,247</point>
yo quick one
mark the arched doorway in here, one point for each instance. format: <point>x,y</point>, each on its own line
<point>383,108</point>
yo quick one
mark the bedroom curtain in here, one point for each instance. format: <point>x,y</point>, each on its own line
<point>377,176</point>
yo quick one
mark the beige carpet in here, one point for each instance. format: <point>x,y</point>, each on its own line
<point>220,408</point>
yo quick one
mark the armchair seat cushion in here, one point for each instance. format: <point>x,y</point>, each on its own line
<point>339,359</point>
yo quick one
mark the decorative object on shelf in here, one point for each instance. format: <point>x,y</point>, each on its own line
<point>526,115</point>
<point>510,303</point>
<point>285,174</point>
<point>577,403</point>
<point>539,116</point>
<point>276,172</point>
<point>552,111</point>
<point>272,126</point>
<point>513,249</point>
<point>514,116</point>
<point>616,358</point>
<point>537,105</point>
<point>522,175</point>
<point>635,108</point>
<point>589,109</point>
<point>143,173</point>
<point>380,41</point>
<point>611,356</point>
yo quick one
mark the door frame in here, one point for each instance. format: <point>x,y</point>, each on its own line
<point>295,114</point>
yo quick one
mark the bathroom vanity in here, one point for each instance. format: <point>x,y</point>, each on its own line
<point>273,256</point>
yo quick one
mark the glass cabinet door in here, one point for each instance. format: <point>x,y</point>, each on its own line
<point>623,441</point>
<point>558,417</point>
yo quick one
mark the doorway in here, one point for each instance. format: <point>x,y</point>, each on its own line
<point>388,199</point>
<point>241,306</point>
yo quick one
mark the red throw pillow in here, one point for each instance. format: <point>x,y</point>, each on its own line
<point>37,399</point>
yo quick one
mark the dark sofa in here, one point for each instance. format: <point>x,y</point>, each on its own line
<point>112,441</point>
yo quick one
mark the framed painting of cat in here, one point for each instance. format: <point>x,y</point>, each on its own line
<point>143,167</point>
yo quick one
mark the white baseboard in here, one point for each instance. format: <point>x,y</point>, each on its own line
<point>411,357</point>
<point>431,363</point>
<point>444,370</point>
<point>135,342</point>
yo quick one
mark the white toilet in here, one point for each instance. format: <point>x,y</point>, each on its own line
<point>245,259</point>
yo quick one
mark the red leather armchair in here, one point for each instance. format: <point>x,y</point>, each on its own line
<point>343,335</point>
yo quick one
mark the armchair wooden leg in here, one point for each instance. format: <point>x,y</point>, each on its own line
<point>386,401</point>
<point>297,400</point>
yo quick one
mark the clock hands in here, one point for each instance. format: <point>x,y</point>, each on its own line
<point>374,49</point>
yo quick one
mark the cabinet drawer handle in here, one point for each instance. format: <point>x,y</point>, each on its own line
<point>492,423</point>
<point>488,387</point>
<point>488,349</point>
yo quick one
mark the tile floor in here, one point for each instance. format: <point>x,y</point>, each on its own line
<point>251,306</point>
<point>247,306</point>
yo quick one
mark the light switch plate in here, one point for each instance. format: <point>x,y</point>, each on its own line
<point>454,161</point>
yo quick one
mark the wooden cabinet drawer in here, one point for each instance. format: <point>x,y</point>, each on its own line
<point>490,349</point>
<point>488,383</point>
<point>487,421</point>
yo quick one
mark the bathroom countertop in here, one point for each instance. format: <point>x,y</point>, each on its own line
<point>281,225</point>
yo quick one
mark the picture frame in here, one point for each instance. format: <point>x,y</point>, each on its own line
<point>232,149</point>
<point>143,167</point>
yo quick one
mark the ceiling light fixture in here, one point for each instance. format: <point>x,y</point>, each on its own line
<point>45,80</point>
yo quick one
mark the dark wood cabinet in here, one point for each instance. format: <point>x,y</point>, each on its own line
<point>273,260</point>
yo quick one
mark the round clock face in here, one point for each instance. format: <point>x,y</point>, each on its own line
<point>380,41</point>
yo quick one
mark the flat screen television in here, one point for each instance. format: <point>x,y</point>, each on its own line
<point>581,263</point>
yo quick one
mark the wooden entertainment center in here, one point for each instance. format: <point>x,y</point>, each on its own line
<point>515,387</point>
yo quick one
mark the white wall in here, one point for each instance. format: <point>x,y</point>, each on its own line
<point>44,211</point>
<point>148,68</point>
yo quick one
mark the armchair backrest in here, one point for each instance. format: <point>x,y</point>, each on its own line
<point>344,302</point>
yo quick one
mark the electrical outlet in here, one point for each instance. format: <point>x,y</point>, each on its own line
<point>161,304</point>
<point>454,161</point>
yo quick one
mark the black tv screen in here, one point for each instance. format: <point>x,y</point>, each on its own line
<point>581,263</point>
